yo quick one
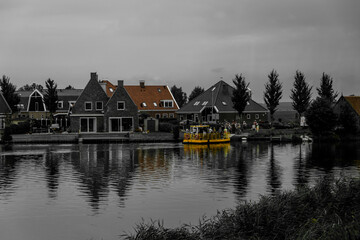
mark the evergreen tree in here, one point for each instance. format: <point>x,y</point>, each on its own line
<point>326,90</point>
<point>8,91</point>
<point>320,117</point>
<point>273,93</point>
<point>240,96</point>
<point>347,120</point>
<point>32,87</point>
<point>300,94</point>
<point>51,97</point>
<point>196,92</point>
<point>179,95</point>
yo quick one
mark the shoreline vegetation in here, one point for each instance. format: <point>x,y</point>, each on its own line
<point>328,210</point>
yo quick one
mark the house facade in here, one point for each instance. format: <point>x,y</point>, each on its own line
<point>215,105</point>
<point>5,112</point>
<point>94,111</point>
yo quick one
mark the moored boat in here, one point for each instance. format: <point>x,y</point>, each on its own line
<point>204,134</point>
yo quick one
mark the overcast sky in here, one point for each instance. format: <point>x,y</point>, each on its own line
<point>183,42</point>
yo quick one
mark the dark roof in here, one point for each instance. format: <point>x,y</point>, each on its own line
<point>354,102</point>
<point>4,106</point>
<point>218,95</point>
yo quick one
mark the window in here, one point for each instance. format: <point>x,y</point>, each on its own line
<point>111,90</point>
<point>248,116</point>
<point>155,104</point>
<point>196,103</point>
<point>87,124</point>
<point>171,115</point>
<point>99,105</point>
<point>122,124</point>
<point>224,103</point>
<point>256,116</point>
<point>121,105</point>
<point>143,104</point>
<point>165,115</point>
<point>157,115</point>
<point>159,90</point>
<point>167,103</point>
<point>36,106</point>
<point>60,104</point>
<point>204,103</point>
<point>88,106</point>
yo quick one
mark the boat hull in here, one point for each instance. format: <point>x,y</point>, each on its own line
<point>210,141</point>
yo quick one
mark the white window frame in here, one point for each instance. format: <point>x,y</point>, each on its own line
<point>87,118</point>
<point>204,103</point>
<point>168,103</point>
<point>110,118</point>
<point>90,106</point>
<point>96,105</point>
<point>60,104</point>
<point>117,105</point>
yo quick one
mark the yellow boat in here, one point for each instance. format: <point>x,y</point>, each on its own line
<point>203,134</point>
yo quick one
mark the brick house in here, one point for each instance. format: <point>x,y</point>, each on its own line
<point>121,113</point>
<point>156,101</point>
<point>215,105</point>
<point>5,111</point>
<point>95,111</point>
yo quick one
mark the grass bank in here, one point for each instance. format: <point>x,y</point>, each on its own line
<point>329,210</point>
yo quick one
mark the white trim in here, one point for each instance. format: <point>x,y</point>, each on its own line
<point>41,97</point>
<point>95,124</point>
<point>88,110</point>
<point>61,103</point>
<point>110,131</point>
<point>102,105</point>
<point>117,105</point>
<point>172,97</point>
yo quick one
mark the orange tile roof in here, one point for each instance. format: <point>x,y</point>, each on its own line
<point>110,88</point>
<point>354,101</point>
<point>151,95</point>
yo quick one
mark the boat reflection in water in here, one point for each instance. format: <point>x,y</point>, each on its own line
<point>198,151</point>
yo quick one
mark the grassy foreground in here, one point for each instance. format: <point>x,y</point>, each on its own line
<point>329,210</point>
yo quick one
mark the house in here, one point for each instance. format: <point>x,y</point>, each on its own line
<point>5,111</point>
<point>352,102</point>
<point>32,106</point>
<point>285,113</point>
<point>95,111</point>
<point>215,105</point>
<point>155,101</point>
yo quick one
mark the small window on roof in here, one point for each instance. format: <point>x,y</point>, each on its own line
<point>204,103</point>
<point>196,103</point>
<point>159,90</point>
<point>224,103</point>
<point>111,90</point>
<point>155,104</point>
<point>248,103</point>
<point>143,104</point>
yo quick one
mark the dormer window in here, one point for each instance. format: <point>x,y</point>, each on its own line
<point>196,103</point>
<point>143,104</point>
<point>167,103</point>
<point>224,103</point>
<point>204,103</point>
<point>155,104</point>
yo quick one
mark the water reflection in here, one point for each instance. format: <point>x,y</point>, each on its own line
<point>122,183</point>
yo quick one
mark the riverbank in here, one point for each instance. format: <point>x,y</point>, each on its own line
<point>92,137</point>
<point>329,210</point>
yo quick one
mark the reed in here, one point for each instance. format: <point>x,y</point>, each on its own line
<point>329,210</point>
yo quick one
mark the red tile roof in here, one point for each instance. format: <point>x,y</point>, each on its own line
<point>150,95</point>
<point>110,88</point>
<point>354,101</point>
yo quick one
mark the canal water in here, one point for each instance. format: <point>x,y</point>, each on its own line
<point>101,191</point>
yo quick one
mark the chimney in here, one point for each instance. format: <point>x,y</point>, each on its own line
<point>93,76</point>
<point>142,83</point>
<point>120,83</point>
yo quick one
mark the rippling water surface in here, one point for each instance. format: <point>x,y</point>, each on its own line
<point>100,191</point>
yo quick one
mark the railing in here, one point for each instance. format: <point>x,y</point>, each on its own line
<point>206,136</point>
